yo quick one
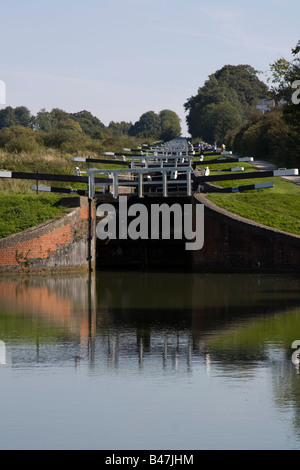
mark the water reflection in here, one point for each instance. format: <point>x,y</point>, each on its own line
<point>136,315</point>
<point>238,329</point>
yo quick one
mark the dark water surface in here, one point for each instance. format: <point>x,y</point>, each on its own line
<point>131,360</point>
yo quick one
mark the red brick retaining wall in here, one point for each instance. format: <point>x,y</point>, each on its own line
<point>59,243</point>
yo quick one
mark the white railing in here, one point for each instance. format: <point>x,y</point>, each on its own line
<point>159,160</point>
<point>140,173</point>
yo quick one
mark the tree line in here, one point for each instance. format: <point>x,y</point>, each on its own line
<point>71,132</point>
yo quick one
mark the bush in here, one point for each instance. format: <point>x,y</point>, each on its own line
<point>21,144</point>
<point>18,139</point>
<point>262,136</point>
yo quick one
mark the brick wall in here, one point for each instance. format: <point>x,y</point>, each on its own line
<point>59,243</point>
<point>232,243</point>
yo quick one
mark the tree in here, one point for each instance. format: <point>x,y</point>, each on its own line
<point>234,90</point>
<point>147,126</point>
<point>221,118</point>
<point>44,121</point>
<point>23,117</point>
<point>162,126</point>
<point>169,125</point>
<point>91,125</point>
<point>68,124</point>
<point>119,128</point>
<point>7,117</point>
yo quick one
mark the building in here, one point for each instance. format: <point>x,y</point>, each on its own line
<point>265,105</point>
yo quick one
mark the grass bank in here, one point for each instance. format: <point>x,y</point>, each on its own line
<point>20,207</point>
<point>21,211</point>
<point>276,207</point>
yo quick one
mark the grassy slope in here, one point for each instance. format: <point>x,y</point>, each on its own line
<point>276,207</point>
<point>21,211</point>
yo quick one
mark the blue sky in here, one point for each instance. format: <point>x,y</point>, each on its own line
<point>121,58</point>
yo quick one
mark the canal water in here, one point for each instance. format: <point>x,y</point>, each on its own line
<point>150,360</point>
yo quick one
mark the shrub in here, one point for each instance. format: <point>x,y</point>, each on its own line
<point>21,144</point>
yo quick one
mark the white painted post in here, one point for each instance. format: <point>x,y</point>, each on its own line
<point>5,174</point>
<point>140,180</point>
<point>115,185</point>
<point>91,185</point>
<point>188,183</point>
<point>164,178</point>
<point>285,172</point>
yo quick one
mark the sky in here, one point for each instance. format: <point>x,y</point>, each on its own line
<point>121,58</point>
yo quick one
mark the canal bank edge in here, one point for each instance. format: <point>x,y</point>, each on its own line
<point>59,245</point>
<point>233,243</point>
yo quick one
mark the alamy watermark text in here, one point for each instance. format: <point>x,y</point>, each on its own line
<point>135,222</point>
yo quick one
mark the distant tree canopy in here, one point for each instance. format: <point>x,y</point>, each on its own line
<point>164,126</point>
<point>119,128</point>
<point>73,132</point>
<point>226,100</point>
<point>19,116</point>
<point>169,125</point>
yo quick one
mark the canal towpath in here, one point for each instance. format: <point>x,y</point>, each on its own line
<point>264,166</point>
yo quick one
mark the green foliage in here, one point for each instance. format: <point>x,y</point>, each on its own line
<point>227,98</point>
<point>119,128</point>
<point>68,124</point>
<point>66,140</point>
<point>76,132</point>
<point>169,125</point>
<point>23,117</point>
<point>90,125</point>
<point>163,126</point>
<point>18,139</point>
<point>19,116</point>
<point>19,212</point>
<point>147,126</point>
<point>263,137</point>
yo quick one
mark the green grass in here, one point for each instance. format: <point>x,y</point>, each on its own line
<point>276,207</point>
<point>20,207</point>
<point>19,212</point>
